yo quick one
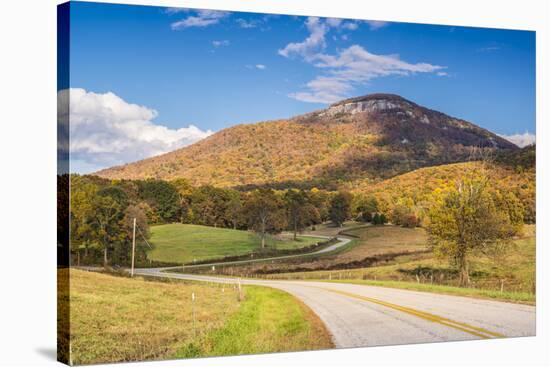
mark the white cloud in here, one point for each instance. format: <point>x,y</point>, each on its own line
<point>351,26</point>
<point>243,23</point>
<point>323,90</point>
<point>256,66</point>
<point>354,66</point>
<point>220,43</point>
<point>176,10</point>
<point>105,130</point>
<point>348,67</point>
<point>376,24</point>
<point>521,140</point>
<point>312,44</point>
<point>260,23</point>
<point>316,41</point>
<point>341,24</point>
<point>488,49</point>
<point>201,18</point>
<point>334,22</point>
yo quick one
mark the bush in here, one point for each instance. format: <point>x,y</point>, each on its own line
<point>410,221</point>
<point>379,219</point>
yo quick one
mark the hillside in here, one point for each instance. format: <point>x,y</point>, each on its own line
<point>376,136</point>
<point>512,170</point>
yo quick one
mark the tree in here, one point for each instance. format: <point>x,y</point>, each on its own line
<point>142,232</point>
<point>364,207</point>
<point>509,203</point>
<point>210,206</point>
<point>81,214</point>
<point>340,208</point>
<point>162,197</point>
<point>116,193</point>
<point>379,219</point>
<point>185,190</point>
<point>235,209</point>
<point>404,213</point>
<point>299,210</point>
<point>64,240</point>
<point>107,224</point>
<point>265,213</point>
<point>321,201</point>
<point>465,220</point>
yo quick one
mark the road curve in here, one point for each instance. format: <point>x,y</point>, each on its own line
<point>359,315</point>
<point>342,241</point>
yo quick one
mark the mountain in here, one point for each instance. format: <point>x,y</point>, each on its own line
<point>370,137</point>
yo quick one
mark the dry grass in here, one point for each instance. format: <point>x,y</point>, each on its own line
<point>117,319</point>
<point>377,240</point>
<point>511,278</point>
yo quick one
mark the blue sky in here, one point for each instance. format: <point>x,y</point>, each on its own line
<point>183,74</point>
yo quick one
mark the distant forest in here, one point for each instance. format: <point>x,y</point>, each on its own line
<point>102,210</point>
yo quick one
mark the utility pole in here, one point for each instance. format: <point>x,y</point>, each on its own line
<point>133,248</point>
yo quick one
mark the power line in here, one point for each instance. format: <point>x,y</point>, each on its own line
<point>134,244</point>
<point>143,236</point>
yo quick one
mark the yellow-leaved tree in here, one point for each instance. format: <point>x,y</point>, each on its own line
<point>469,218</point>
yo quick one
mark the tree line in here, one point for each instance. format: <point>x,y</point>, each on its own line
<point>102,212</point>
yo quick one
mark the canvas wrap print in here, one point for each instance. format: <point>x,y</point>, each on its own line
<point>239,183</point>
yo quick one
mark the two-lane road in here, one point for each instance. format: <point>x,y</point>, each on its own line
<point>358,315</point>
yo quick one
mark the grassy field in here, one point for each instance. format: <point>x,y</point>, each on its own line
<point>116,319</point>
<point>268,321</point>
<point>511,278</point>
<point>372,244</point>
<point>518,297</point>
<point>377,240</point>
<point>184,243</point>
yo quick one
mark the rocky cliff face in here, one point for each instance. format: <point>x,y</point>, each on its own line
<point>401,121</point>
<point>374,103</point>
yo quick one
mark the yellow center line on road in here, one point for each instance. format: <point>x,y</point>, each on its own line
<point>473,330</point>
